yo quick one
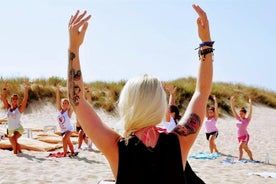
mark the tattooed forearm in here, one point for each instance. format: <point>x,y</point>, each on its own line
<point>190,127</point>
<point>73,75</point>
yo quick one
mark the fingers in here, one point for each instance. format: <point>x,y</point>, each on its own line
<point>80,17</point>
<point>77,20</point>
<point>202,20</point>
<point>83,22</point>
<point>200,12</point>
<point>73,18</point>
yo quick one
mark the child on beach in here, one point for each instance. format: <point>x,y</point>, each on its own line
<point>243,122</point>
<point>143,154</point>
<point>210,125</point>
<point>14,111</point>
<point>172,115</point>
<point>64,114</point>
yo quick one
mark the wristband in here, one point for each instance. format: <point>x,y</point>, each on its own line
<point>209,44</point>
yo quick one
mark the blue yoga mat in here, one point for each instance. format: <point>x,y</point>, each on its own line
<point>205,156</point>
<point>230,160</point>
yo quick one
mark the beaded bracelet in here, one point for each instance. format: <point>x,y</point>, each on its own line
<point>202,53</point>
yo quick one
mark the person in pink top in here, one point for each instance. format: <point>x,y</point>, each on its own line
<point>210,125</point>
<point>243,121</point>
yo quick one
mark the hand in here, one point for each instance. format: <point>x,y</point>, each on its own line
<point>58,86</point>
<point>27,84</point>
<point>203,24</point>
<point>170,88</point>
<point>77,28</point>
<point>232,98</point>
<point>6,84</point>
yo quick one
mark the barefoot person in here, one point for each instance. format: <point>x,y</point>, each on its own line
<point>64,114</point>
<point>210,125</point>
<point>143,154</point>
<point>14,111</point>
<point>243,122</point>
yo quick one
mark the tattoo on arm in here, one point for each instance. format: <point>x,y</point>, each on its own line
<point>72,56</point>
<point>190,127</point>
<point>76,92</point>
<point>73,75</point>
<point>76,74</point>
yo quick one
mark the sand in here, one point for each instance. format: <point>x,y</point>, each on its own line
<point>91,166</point>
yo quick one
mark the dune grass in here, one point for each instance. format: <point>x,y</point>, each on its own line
<point>105,94</point>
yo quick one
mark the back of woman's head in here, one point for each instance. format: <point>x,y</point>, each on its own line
<point>142,103</point>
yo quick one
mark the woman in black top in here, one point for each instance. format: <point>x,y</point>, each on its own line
<point>144,154</point>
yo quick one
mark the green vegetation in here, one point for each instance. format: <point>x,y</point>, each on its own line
<point>105,95</point>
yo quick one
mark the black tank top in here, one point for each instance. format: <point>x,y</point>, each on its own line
<point>139,164</point>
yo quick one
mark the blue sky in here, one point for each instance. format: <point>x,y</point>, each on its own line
<point>126,38</point>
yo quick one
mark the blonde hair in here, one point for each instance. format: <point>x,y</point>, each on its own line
<point>65,100</point>
<point>142,103</point>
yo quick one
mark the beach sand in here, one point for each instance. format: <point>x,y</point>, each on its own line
<point>91,166</point>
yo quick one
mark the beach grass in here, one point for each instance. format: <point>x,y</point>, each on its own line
<point>105,94</point>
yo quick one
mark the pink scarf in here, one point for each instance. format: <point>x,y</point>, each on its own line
<point>147,136</point>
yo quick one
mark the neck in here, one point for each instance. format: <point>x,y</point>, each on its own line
<point>149,135</point>
<point>210,117</point>
<point>63,110</point>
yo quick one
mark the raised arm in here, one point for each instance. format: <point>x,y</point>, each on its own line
<point>250,109</point>
<point>25,98</point>
<point>216,107</point>
<point>58,102</point>
<point>4,95</point>
<point>171,90</point>
<point>102,136</point>
<point>190,124</point>
<point>232,98</point>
